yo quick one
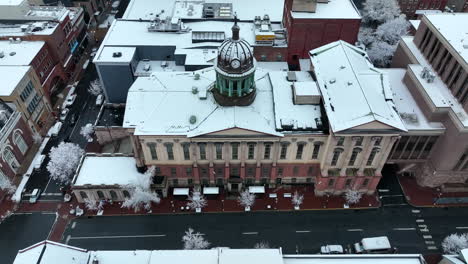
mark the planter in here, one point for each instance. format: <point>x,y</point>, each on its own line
<point>247,208</point>
<point>198,210</point>
<point>296,207</point>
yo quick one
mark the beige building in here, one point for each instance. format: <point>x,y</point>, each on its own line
<point>436,75</point>
<point>22,91</point>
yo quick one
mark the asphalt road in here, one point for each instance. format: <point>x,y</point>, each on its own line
<point>21,231</point>
<point>295,232</point>
<point>86,110</point>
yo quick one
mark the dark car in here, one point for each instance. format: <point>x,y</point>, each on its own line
<point>73,119</point>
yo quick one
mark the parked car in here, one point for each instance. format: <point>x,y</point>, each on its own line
<point>99,100</point>
<point>70,100</point>
<point>73,119</point>
<point>374,245</point>
<point>64,114</point>
<point>38,161</point>
<point>53,131</point>
<point>331,249</point>
<point>35,195</point>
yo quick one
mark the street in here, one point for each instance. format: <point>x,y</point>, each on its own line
<point>410,230</point>
<point>23,230</point>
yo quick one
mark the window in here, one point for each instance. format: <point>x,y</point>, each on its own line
<point>316,150</point>
<point>365,183</point>
<point>234,151</point>
<point>204,172</point>
<point>340,141</point>
<point>113,195</point>
<point>264,181</point>
<point>205,181</point>
<point>250,172</point>
<point>100,195</point>
<point>460,162</point>
<point>219,172</point>
<point>336,156</point>
<point>235,172</point>
<point>310,171</point>
<point>175,182</point>
<point>190,181</point>
<point>300,150</point>
<point>19,141</point>
<point>126,194</point>
<point>348,183</point>
<point>202,147</point>
<point>284,150</point>
<point>353,157</point>
<point>219,181</point>
<point>152,148</point>
<point>83,195</point>
<point>280,171</point>
<point>33,104</point>
<point>219,151</point>
<point>331,182</point>
<point>372,155</point>
<point>265,172</point>
<point>158,170</point>
<point>377,141</point>
<point>26,91</point>
<point>170,151</point>
<point>279,180</point>
<point>249,181</point>
<point>359,141</point>
<point>10,158</point>
<point>188,171</point>
<point>251,151</point>
<point>267,152</point>
<point>295,170</point>
<point>173,172</point>
<point>186,149</point>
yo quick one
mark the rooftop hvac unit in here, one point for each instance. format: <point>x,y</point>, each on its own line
<point>2,54</point>
<point>117,54</point>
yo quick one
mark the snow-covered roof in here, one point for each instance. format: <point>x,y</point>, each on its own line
<point>246,10</point>
<point>198,56</point>
<point>354,259</point>
<point>248,256</point>
<point>11,2</point>
<point>106,171</point>
<point>415,23</point>
<point>112,54</point>
<point>354,92</point>
<point>184,256</point>
<point>448,24</point>
<point>49,252</point>
<point>413,117</point>
<point>25,29</point>
<point>437,92</point>
<point>273,65</point>
<point>19,53</point>
<point>10,76</point>
<point>121,256</point>
<point>336,9</point>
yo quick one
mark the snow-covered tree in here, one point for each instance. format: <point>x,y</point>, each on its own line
<point>453,243</point>
<point>381,53</point>
<point>262,244</point>
<point>92,205</point>
<point>37,138</point>
<point>392,30</point>
<point>376,12</point>
<point>6,185</point>
<point>352,196</point>
<point>95,87</point>
<point>366,36</point>
<point>194,240</point>
<point>141,194</point>
<point>64,160</point>
<point>246,199</point>
<point>297,199</point>
<point>87,132</point>
<point>196,200</point>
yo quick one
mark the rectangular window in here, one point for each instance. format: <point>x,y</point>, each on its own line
<point>310,171</point>
<point>158,170</point>
<point>170,151</point>
<point>202,147</point>
<point>219,181</point>
<point>186,149</point>
<point>295,170</point>
<point>152,148</point>
<point>372,155</point>
<point>365,183</point>
<point>316,151</point>
<point>340,141</point>
<point>190,181</point>
<point>331,182</point>
<point>234,151</point>
<point>336,156</point>
<point>188,171</point>
<point>359,141</point>
<point>219,151</point>
<point>267,152</point>
<point>251,151</point>
<point>353,157</point>
<point>283,151</point>
<point>205,181</point>
<point>250,172</point>
<point>219,172</point>
<point>204,172</point>
<point>348,183</point>
<point>300,150</point>
<point>279,180</point>
<point>173,172</point>
<point>266,172</point>
<point>175,182</point>
<point>378,141</point>
<point>280,171</point>
<point>235,171</point>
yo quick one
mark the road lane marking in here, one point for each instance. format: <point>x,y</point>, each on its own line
<point>68,239</point>
<point>427,237</point>
<point>302,231</point>
<point>110,237</point>
<point>424,230</point>
<point>355,230</point>
<point>461,227</point>
<point>415,211</point>
<point>250,233</point>
<point>432,247</point>
<point>422,226</point>
<point>404,228</point>
<point>429,242</point>
<point>73,225</point>
<point>419,220</point>
<point>384,190</point>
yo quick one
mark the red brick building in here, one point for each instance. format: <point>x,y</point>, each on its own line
<point>311,24</point>
<point>409,7</point>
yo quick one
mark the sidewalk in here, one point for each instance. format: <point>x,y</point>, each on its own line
<point>427,197</point>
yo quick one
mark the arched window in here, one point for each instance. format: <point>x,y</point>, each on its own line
<point>126,194</point>
<point>336,156</point>
<point>10,158</point>
<point>372,155</point>
<point>83,195</point>
<point>113,195</point>
<point>354,155</point>
<point>19,141</point>
<point>100,194</point>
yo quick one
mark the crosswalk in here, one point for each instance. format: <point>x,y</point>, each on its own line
<point>424,230</point>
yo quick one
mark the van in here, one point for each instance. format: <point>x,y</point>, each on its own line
<point>373,245</point>
<point>34,195</point>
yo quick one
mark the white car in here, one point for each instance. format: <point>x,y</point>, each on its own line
<point>53,131</point>
<point>64,114</point>
<point>70,100</point>
<point>34,195</point>
<point>331,249</point>
<point>38,161</point>
<point>99,100</point>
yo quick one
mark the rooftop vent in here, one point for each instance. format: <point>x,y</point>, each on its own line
<point>147,67</point>
<point>12,53</point>
<point>333,80</point>
<point>197,76</point>
<point>95,260</point>
<point>117,54</point>
<point>427,75</point>
<point>194,90</point>
<point>193,119</point>
<point>291,76</point>
<point>2,54</point>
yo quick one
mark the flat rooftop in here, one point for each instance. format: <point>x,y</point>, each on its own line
<point>30,28</point>
<point>354,259</point>
<point>111,116</point>
<point>334,9</point>
<point>11,76</point>
<point>246,9</point>
<point>19,53</point>
<point>449,26</point>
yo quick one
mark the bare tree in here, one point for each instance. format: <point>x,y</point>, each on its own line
<point>197,200</point>
<point>194,240</point>
<point>141,194</point>
<point>6,185</point>
<point>95,87</point>
<point>352,196</point>
<point>297,199</point>
<point>246,199</point>
<point>454,243</point>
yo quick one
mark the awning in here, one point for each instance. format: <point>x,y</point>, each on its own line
<point>181,191</point>
<point>210,190</point>
<point>256,189</point>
